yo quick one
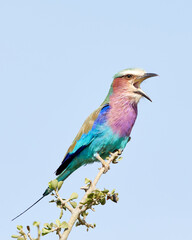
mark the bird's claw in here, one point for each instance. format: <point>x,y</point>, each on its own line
<point>119,152</point>
<point>116,155</point>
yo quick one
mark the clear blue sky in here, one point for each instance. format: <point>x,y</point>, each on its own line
<point>57,59</point>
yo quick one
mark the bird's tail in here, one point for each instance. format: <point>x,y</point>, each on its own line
<point>47,192</point>
<point>61,177</point>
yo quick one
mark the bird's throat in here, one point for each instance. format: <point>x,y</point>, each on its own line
<point>122,115</point>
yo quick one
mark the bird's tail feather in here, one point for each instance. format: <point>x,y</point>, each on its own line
<point>28,208</point>
<point>47,192</point>
<point>61,177</point>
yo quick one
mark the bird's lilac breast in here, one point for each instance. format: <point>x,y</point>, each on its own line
<point>122,116</point>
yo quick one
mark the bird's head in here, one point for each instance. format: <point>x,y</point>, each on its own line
<point>127,82</point>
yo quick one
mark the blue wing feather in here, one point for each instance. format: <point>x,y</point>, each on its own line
<point>84,141</point>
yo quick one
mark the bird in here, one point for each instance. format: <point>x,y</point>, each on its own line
<point>108,128</point>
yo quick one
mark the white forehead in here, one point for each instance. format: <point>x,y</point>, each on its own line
<point>133,71</point>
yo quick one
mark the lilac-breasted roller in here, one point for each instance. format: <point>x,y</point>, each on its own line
<point>108,128</point>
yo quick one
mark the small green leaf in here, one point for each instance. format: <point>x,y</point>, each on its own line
<point>96,191</point>
<point>102,201</point>
<point>36,224</point>
<point>20,238</point>
<point>73,204</point>
<point>61,214</point>
<point>87,180</point>
<point>74,196</point>
<point>105,190</point>
<point>58,202</point>
<point>64,208</point>
<point>60,184</point>
<point>64,225</point>
<point>47,225</point>
<point>90,195</point>
<point>58,222</point>
<point>84,214</point>
<point>19,227</point>
<point>87,201</point>
<point>113,191</point>
<point>15,236</point>
<point>53,184</point>
<point>45,231</point>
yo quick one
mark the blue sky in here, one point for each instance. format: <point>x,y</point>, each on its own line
<point>57,59</point>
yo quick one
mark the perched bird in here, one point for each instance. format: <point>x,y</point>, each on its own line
<point>108,128</point>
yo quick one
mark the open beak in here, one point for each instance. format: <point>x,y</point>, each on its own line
<point>139,80</point>
<point>148,75</point>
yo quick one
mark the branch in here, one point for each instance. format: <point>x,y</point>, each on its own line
<point>79,212</point>
<point>64,203</point>
<point>79,209</point>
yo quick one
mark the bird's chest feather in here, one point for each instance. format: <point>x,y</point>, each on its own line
<point>121,116</point>
<point>111,130</point>
<point>115,127</point>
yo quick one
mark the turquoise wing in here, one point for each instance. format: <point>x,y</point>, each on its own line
<point>82,140</point>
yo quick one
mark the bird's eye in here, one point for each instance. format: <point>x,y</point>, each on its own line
<point>129,76</point>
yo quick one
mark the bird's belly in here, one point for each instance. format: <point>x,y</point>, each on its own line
<point>103,144</point>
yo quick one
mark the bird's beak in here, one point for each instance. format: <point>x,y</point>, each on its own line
<point>139,80</point>
<point>145,76</point>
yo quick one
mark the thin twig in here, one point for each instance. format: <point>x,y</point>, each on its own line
<point>23,234</point>
<point>29,236</point>
<point>57,230</point>
<point>83,222</point>
<point>77,211</point>
<point>64,203</point>
<point>59,233</point>
<point>39,232</point>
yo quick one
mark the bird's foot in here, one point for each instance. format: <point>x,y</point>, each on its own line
<point>120,151</point>
<point>104,164</point>
<point>116,153</point>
